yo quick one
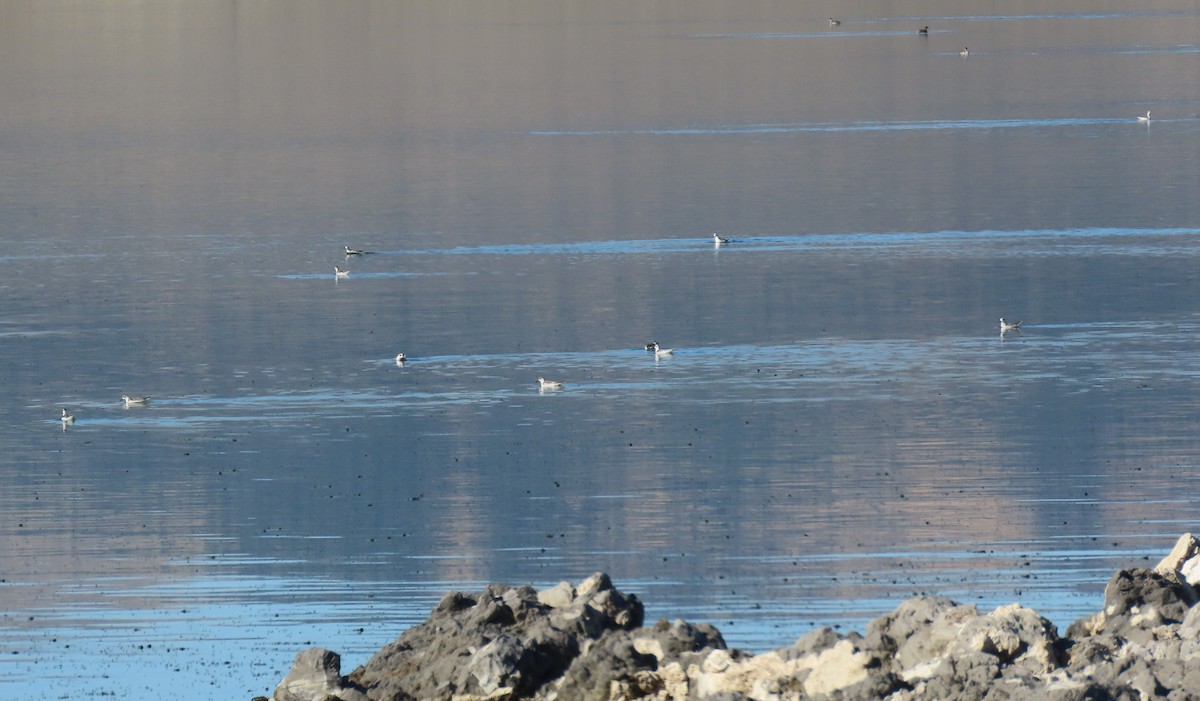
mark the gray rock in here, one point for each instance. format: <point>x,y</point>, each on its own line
<point>612,660</point>
<point>1057,690</point>
<point>971,676</point>
<point>1139,676</point>
<point>559,596</point>
<point>1132,591</point>
<point>586,643</point>
<point>912,618</point>
<point>1019,638</point>
<point>598,582</point>
<point>1189,628</point>
<point>1090,652</point>
<point>935,638</point>
<point>1186,548</point>
<point>812,642</point>
<point>678,641</point>
<point>1137,602</point>
<point>501,643</point>
<point>1170,673</point>
<point>1190,571</point>
<point>316,675</point>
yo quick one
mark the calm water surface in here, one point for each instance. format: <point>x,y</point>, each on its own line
<point>841,426</point>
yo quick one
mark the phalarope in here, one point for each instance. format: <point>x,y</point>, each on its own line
<point>662,352</point>
<point>1009,325</point>
<point>923,31</point>
<point>964,52</point>
<point>543,383</point>
<point>401,359</point>
<point>834,22</point>
<point>338,272</point>
<point>134,401</point>
<point>718,239</point>
<point>67,418</point>
<point>650,346</point>
<point>1145,118</point>
<point>354,251</point>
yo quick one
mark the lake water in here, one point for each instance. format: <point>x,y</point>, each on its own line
<point>841,426</point>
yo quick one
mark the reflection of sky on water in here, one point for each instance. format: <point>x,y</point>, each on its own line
<point>146,630</point>
<point>841,426</point>
<point>821,370</point>
<point>940,244</point>
<point>735,129</point>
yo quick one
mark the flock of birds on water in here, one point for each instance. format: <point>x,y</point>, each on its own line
<point>653,347</point>
<point>544,385</point>
<point>128,400</point>
<point>924,31</point>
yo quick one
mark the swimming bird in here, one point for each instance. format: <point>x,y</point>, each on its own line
<point>718,239</point>
<point>1009,325</point>
<point>1146,118</point>
<point>354,251</point>
<point>338,272</point>
<point>662,352</point>
<point>544,384</point>
<point>834,22</point>
<point>650,346</point>
<point>923,31</point>
<point>964,52</point>
<point>67,418</point>
<point>401,359</point>
<point>134,401</point>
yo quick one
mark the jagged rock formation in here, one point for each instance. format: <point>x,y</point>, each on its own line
<point>587,643</point>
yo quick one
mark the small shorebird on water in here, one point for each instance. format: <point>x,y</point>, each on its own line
<point>67,418</point>
<point>662,352</point>
<point>834,22</point>
<point>718,239</point>
<point>1145,118</point>
<point>964,52</point>
<point>544,384</point>
<point>134,401</point>
<point>401,359</point>
<point>339,272</point>
<point>1009,325</point>
<point>923,31</point>
<point>354,251</point>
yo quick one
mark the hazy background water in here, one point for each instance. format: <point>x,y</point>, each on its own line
<point>841,427</point>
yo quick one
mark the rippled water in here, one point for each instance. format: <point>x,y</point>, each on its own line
<point>840,426</point>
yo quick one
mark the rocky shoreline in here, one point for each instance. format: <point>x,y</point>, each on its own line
<point>588,643</point>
